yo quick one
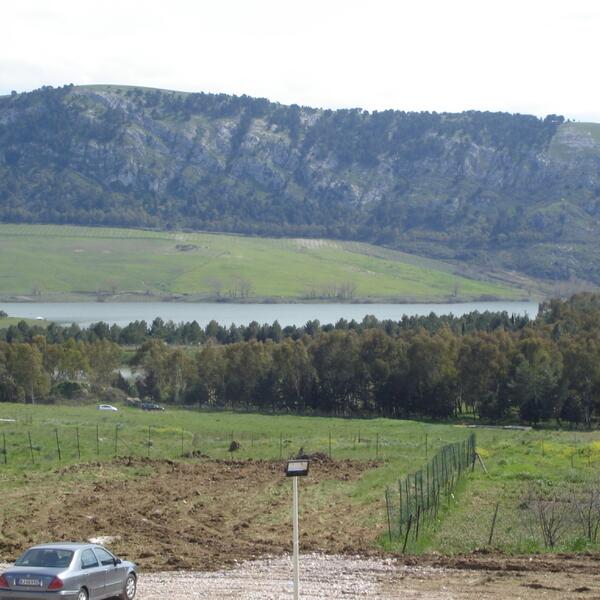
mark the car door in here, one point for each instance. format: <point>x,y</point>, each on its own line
<point>114,573</point>
<point>93,575</point>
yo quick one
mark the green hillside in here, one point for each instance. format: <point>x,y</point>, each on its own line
<point>511,191</point>
<point>71,262</point>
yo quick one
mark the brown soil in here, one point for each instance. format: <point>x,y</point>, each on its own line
<point>176,515</point>
<point>547,563</point>
<point>208,515</point>
<point>496,577</point>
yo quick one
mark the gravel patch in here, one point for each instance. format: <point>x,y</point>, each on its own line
<point>321,577</point>
<point>331,577</point>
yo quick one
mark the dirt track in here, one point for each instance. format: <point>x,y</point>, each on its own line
<point>353,578</point>
<point>333,577</point>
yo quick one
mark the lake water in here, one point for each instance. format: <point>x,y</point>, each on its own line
<point>85,313</point>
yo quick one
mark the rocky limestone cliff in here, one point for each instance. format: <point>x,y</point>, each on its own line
<point>509,190</point>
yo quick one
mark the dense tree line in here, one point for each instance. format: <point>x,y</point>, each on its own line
<point>535,371</point>
<point>38,371</point>
<point>191,333</point>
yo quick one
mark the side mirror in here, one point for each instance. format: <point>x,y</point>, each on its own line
<point>117,561</point>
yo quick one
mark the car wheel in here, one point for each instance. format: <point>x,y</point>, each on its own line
<point>83,595</point>
<point>130,588</point>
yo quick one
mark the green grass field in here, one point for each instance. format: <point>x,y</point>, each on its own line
<point>515,460</point>
<point>8,321</point>
<point>52,259</point>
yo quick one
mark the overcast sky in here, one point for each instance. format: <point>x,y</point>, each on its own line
<point>524,56</point>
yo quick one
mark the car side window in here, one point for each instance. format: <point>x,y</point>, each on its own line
<point>106,558</point>
<point>88,559</point>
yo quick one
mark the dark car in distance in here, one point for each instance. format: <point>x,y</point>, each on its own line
<point>69,571</point>
<point>151,406</point>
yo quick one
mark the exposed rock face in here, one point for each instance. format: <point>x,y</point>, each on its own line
<point>475,186</point>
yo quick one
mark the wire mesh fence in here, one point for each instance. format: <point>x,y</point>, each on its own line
<point>69,444</point>
<point>28,443</point>
<point>415,502</point>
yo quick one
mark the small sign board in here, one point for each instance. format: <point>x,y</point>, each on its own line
<point>297,468</point>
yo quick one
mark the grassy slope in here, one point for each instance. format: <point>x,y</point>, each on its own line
<point>8,321</point>
<point>563,462</point>
<point>513,458</point>
<point>78,259</point>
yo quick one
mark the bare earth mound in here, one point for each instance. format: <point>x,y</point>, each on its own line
<point>173,515</point>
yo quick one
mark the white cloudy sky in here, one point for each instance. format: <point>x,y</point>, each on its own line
<point>447,55</point>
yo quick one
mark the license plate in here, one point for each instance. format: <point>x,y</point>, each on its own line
<point>28,582</point>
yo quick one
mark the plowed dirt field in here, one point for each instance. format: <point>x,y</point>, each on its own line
<point>183,515</point>
<point>220,529</point>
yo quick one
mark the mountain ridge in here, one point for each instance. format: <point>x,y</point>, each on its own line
<point>483,188</point>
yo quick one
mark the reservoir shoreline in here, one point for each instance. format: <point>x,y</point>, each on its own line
<point>228,313</point>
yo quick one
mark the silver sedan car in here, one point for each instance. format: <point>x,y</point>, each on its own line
<point>69,571</point>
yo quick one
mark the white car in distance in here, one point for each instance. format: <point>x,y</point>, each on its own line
<point>107,407</point>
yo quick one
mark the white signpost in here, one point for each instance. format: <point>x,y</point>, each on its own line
<point>296,468</point>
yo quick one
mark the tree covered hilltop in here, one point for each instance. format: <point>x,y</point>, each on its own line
<point>515,191</point>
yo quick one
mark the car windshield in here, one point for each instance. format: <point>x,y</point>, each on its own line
<point>45,557</point>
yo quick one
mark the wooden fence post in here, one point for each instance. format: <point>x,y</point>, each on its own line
<point>493,524</point>
<point>387,505</point>
<point>57,445</point>
<point>31,447</point>
<point>418,519</point>
<point>400,507</point>
<point>407,532</point>
<point>428,498</point>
